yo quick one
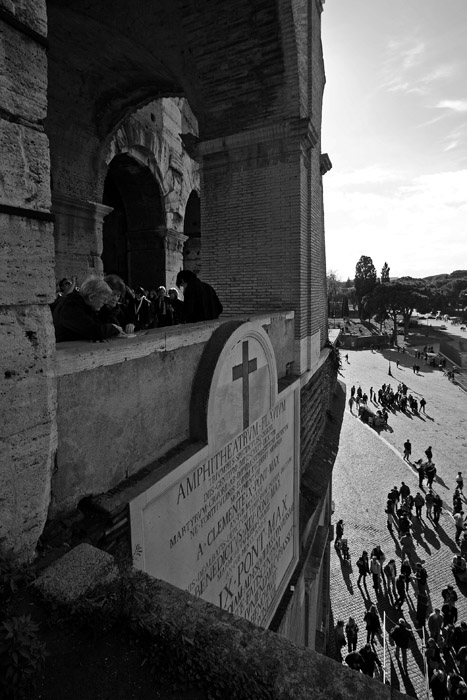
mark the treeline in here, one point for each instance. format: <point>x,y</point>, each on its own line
<point>381,298</point>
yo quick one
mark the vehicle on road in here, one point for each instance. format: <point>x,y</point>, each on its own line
<point>443,327</point>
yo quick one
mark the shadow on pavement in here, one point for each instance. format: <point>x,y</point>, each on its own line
<point>445,539</point>
<point>431,537</point>
<point>346,568</point>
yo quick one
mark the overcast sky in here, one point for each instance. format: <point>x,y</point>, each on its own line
<point>395,129</point>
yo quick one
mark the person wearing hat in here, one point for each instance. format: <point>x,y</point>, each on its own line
<point>402,636</point>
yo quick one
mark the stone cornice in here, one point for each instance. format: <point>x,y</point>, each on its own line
<point>324,163</point>
<point>63,204</point>
<point>300,131</point>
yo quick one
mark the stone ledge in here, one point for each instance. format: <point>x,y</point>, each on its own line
<point>231,648</point>
<point>79,356</point>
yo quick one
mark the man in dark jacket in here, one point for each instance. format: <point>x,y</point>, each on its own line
<point>402,637</point>
<point>200,301</point>
<point>369,660</point>
<point>75,317</point>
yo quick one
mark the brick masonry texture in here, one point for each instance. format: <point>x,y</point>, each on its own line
<point>245,68</point>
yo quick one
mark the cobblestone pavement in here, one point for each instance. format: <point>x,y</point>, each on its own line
<point>367,467</point>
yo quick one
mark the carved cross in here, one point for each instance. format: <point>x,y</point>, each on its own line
<point>242,372</point>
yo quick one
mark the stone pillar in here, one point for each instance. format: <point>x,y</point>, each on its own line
<point>78,236</point>
<point>27,384</point>
<point>259,224</point>
<point>174,242</point>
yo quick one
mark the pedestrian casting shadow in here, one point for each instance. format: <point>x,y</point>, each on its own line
<point>408,685</point>
<point>394,678</point>
<point>431,537</point>
<point>418,532</point>
<point>441,481</point>
<point>364,591</point>
<point>346,568</point>
<point>445,539</point>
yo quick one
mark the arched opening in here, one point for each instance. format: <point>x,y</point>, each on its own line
<point>192,229</point>
<point>133,233</point>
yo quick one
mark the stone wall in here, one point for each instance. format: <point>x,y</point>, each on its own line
<point>140,408</point>
<point>151,137</point>
<point>228,653</point>
<point>27,391</point>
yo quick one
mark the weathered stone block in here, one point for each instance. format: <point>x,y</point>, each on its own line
<point>26,463</point>
<point>76,574</point>
<point>32,12</point>
<point>25,172</point>
<point>26,261</point>
<point>27,386</point>
<point>23,75</point>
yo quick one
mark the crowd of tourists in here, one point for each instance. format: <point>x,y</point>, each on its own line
<point>388,399</point>
<point>444,638</point>
<point>100,309</point>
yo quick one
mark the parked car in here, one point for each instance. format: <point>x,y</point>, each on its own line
<point>443,327</point>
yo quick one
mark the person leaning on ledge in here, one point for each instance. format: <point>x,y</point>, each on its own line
<point>75,318</point>
<point>200,301</point>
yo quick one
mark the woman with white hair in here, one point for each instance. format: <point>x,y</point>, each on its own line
<point>75,318</point>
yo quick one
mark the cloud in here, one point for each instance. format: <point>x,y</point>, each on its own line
<point>453,105</point>
<point>420,228</point>
<point>371,175</point>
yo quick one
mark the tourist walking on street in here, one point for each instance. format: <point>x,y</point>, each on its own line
<point>406,571</point>
<point>375,570</point>
<point>402,637</point>
<point>430,473</point>
<point>429,500</point>
<point>459,523</point>
<point>429,453</point>
<point>449,594</point>
<point>401,591</point>
<point>437,508</point>
<point>421,473</point>
<point>422,405</point>
<point>419,502</point>
<point>460,482</point>
<point>432,655</point>
<point>407,450</point>
<point>390,572</point>
<point>363,568</point>
<point>370,660</point>
<point>351,632</point>
<point>373,625</point>
<point>438,685</point>
<point>404,490</point>
<point>339,635</point>
<point>436,624</point>
<point>421,577</point>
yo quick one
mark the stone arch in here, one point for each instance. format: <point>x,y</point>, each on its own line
<point>192,259</point>
<point>133,231</point>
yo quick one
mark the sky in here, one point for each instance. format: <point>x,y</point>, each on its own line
<point>395,129</point>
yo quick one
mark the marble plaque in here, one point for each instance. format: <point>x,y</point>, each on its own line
<point>224,524</point>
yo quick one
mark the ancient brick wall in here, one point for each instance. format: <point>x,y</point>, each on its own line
<point>315,399</point>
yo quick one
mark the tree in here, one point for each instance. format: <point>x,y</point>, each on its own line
<point>365,280</point>
<point>385,274</point>
<point>400,297</point>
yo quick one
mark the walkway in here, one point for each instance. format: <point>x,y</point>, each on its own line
<point>368,466</point>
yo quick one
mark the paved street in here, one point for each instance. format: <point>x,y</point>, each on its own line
<point>369,465</point>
